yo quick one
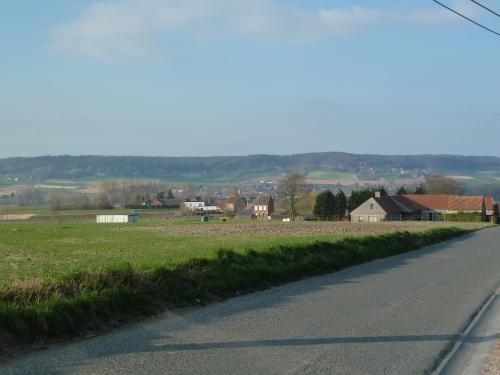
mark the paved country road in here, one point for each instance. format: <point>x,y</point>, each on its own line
<point>393,316</point>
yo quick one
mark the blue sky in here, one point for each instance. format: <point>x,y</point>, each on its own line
<point>232,77</point>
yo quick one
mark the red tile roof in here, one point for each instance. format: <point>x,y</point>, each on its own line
<point>427,202</point>
<point>444,202</point>
<point>490,203</point>
<point>466,204</point>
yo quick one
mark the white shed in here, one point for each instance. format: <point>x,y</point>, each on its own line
<point>103,219</point>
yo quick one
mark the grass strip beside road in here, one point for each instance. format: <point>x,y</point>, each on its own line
<point>79,302</point>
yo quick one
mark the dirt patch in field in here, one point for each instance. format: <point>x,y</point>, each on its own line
<point>63,218</point>
<point>90,190</point>
<point>16,217</point>
<point>57,187</point>
<point>461,178</point>
<point>279,229</point>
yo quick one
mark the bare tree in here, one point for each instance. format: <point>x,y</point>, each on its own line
<point>209,195</point>
<point>305,203</point>
<point>439,184</point>
<point>131,194</point>
<point>31,197</point>
<point>102,201</point>
<point>188,191</point>
<point>55,201</point>
<point>291,188</point>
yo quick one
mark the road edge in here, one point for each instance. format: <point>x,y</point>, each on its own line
<point>477,318</point>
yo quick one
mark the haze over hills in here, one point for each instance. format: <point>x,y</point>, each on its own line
<point>230,169</point>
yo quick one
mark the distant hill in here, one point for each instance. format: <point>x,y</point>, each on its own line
<point>227,169</point>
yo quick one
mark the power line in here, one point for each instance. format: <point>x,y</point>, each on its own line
<point>485,7</point>
<point>467,18</point>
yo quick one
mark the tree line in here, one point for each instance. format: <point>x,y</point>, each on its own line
<point>110,194</point>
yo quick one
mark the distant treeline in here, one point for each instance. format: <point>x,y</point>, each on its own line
<point>111,194</point>
<point>208,168</point>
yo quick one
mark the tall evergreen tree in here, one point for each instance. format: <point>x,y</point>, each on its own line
<point>420,189</point>
<point>380,189</point>
<point>402,190</point>
<point>340,204</point>
<point>324,207</point>
<point>170,195</point>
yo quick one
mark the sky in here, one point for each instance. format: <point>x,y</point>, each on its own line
<point>239,77</point>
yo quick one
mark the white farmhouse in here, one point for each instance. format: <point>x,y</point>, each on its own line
<point>194,205</point>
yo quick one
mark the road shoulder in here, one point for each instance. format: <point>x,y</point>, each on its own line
<point>480,350</point>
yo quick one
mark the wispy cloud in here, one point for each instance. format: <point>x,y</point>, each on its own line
<point>134,28</point>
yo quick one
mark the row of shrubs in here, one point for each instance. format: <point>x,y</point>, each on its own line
<point>82,302</point>
<point>476,217</point>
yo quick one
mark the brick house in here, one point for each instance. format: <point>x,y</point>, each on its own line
<point>264,207</point>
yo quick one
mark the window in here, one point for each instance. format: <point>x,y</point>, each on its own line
<point>372,206</point>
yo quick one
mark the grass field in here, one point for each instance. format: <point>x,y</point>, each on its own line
<point>46,250</point>
<point>65,278</point>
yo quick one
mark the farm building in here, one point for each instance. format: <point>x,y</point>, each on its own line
<point>200,207</point>
<point>211,210</point>
<point>108,219</point>
<point>194,205</point>
<point>421,207</point>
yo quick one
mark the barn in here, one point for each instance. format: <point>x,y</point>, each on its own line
<point>421,207</point>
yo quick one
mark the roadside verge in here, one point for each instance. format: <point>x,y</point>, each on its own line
<point>81,302</point>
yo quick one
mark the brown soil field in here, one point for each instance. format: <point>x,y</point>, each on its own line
<point>279,229</point>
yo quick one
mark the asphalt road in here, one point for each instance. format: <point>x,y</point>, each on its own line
<point>393,316</point>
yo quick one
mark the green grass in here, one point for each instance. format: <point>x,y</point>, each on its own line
<point>61,280</point>
<point>46,250</point>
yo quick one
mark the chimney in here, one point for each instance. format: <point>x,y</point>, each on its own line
<point>377,194</point>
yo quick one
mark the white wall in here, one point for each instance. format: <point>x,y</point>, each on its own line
<point>117,219</point>
<point>193,206</point>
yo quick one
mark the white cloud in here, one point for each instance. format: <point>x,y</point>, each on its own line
<point>132,28</point>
